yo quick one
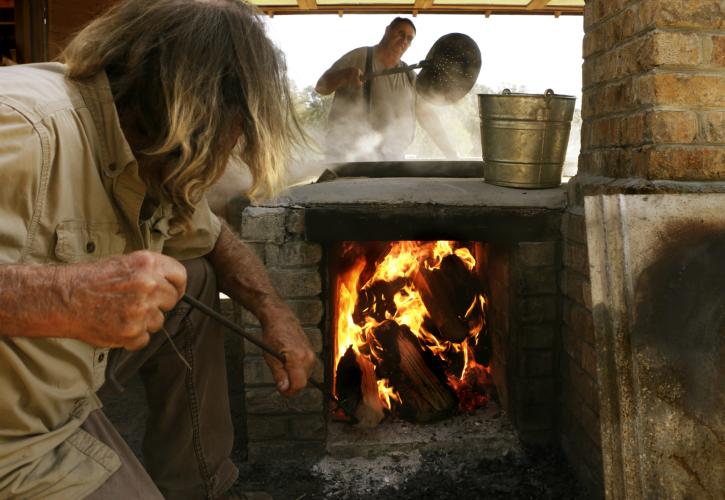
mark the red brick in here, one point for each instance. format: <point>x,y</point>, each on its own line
<point>667,48</point>
<point>706,14</point>
<point>575,228</point>
<point>683,163</point>
<point>673,127</point>
<point>591,102</point>
<point>646,13</point>
<point>605,132</point>
<point>619,97</point>
<point>590,163</point>
<point>586,135</point>
<point>589,72</point>
<point>610,162</point>
<point>575,257</point>
<point>633,130</point>
<point>714,162</point>
<point>592,42</point>
<point>717,54</point>
<point>617,162</point>
<point>681,89</point>
<point>537,253</point>
<point>594,12</point>
<point>713,126</point>
<point>628,20</point>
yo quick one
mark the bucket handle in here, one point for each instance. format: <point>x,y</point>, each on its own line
<point>548,95</point>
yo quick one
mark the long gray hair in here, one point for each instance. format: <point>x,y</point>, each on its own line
<point>203,77</point>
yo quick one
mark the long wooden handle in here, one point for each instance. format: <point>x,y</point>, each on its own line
<point>232,326</point>
<point>392,71</point>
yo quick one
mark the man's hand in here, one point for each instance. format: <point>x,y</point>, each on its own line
<point>353,77</point>
<point>119,301</point>
<point>333,80</point>
<point>283,333</point>
<point>114,302</point>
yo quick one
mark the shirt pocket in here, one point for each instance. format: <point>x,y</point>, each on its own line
<point>81,241</point>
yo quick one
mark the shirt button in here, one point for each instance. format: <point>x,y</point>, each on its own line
<point>101,357</point>
<point>90,247</point>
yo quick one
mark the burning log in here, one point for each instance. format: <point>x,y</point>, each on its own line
<point>356,385</point>
<point>415,374</point>
<point>369,412</point>
<point>448,293</point>
<point>377,299</point>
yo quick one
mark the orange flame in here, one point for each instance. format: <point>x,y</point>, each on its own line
<point>401,263</point>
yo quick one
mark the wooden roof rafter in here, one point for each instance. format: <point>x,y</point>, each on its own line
<point>535,7</point>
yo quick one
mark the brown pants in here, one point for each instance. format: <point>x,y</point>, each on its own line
<point>189,433</point>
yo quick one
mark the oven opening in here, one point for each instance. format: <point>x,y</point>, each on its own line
<point>409,331</point>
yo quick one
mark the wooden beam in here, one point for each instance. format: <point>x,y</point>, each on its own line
<point>433,9</point>
<point>537,4</point>
<point>422,5</point>
<point>307,4</point>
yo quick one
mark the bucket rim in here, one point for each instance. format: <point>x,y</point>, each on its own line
<point>516,94</point>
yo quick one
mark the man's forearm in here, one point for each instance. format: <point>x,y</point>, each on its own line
<point>242,276</point>
<point>31,300</point>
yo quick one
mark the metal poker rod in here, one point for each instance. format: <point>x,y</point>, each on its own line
<point>278,355</point>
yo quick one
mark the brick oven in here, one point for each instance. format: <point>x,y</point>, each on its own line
<point>653,112</point>
<point>515,234</point>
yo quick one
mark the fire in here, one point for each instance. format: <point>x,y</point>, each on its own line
<point>371,296</point>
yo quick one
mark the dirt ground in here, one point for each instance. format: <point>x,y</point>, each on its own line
<point>474,456</point>
<point>492,467</point>
<point>419,475</point>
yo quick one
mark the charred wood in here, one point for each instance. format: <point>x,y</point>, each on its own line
<point>414,373</point>
<point>376,300</point>
<point>356,386</point>
<point>348,379</point>
<point>370,411</point>
<point>448,293</point>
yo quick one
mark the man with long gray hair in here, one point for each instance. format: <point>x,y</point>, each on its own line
<point>104,164</point>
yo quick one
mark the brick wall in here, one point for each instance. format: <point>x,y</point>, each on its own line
<point>654,90</point>
<point>653,119</point>
<point>278,426</point>
<point>523,318</point>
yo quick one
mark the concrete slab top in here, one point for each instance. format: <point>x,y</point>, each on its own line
<point>406,191</point>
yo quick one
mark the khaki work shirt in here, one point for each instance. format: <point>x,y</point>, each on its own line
<point>69,192</point>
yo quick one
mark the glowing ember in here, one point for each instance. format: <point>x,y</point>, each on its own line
<point>431,288</point>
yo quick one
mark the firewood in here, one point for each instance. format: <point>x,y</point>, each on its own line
<point>356,385</point>
<point>369,411</point>
<point>348,379</point>
<point>413,373</point>
<point>447,293</point>
<point>377,299</point>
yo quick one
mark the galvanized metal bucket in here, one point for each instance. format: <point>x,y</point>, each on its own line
<point>524,137</point>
